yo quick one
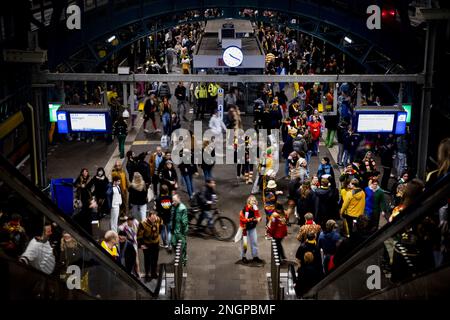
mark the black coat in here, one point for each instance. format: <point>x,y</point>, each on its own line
<point>167,176</point>
<point>187,169</point>
<point>308,276</point>
<point>386,154</point>
<point>306,205</point>
<point>180,93</point>
<point>120,128</point>
<point>326,205</point>
<point>144,169</point>
<point>314,249</point>
<point>131,167</point>
<point>137,197</point>
<point>100,186</point>
<point>127,252</point>
<point>204,165</point>
<point>331,122</point>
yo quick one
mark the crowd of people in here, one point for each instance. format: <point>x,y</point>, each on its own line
<point>336,210</point>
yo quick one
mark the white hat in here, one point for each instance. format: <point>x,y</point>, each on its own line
<point>272,184</point>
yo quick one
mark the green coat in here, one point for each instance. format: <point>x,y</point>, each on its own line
<point>180,221</point>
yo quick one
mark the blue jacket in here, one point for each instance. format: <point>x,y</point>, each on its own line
<point>375,202</point>
<point>325,169</point>
<point>328,241</point>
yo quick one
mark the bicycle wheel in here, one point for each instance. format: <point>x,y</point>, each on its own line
<point>224,228</point>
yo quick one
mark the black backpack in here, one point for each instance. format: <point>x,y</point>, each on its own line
<point>249,225</point>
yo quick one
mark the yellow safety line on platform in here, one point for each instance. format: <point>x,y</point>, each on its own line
<point>144,142</point>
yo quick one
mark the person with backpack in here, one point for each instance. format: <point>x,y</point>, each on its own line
<point>164,91</point>
<point>277,228</point>
<point>163,206</point>
<point>180,94</point>
<point>325,168</point>
<point>299,145</point>
<point>354,204</point>
<point>329,240</point>
<point>120,130</point>
<point>150,109</point>
<point>310,245</point>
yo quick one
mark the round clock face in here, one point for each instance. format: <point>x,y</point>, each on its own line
<point>233,56</point>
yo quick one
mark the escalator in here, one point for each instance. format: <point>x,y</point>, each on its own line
<point>78,268</point>
<point>400,260</point>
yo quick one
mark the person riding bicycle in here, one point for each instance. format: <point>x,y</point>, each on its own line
<point>207,199</point>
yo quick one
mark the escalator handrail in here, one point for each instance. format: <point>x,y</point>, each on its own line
<point>406,281</point>
<point>162,269</point>
<point>428,200</point>
<point>18,264</point>
<point>34,196</point>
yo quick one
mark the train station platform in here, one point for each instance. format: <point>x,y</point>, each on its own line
<point>213,270</point>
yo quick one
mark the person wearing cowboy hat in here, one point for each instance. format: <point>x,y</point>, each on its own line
<point>270,197</point>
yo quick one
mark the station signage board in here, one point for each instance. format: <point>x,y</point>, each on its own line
<point>382,120</point>
<point>52,108</point>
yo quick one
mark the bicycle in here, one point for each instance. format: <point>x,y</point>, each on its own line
<point>223,228</point>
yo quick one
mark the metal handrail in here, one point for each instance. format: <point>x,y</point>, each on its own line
<point>423,205</point>
<point>35,197</point>
<point>178,271</point>
<point>275,268</point>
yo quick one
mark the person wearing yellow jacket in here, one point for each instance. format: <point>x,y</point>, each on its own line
<point>213,89</point>
<point>354,204</point>
<point>201,94</point>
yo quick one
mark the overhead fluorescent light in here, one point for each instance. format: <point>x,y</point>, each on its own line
<point>348,40</point>
<point>111,39</point>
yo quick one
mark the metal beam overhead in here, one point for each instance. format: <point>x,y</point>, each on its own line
<point>112,77</point>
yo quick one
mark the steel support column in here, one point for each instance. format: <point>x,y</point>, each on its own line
<point>425,107</point>
<point>39,154</point>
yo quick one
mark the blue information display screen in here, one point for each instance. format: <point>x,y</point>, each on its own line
<point>376,123</point>
<point>88,122</point>
<point>400,127</point>
<point>62,122</point>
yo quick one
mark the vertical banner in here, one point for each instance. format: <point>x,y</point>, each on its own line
<point>220,103</point>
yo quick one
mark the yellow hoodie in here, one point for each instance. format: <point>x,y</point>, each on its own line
<point>354,203</point>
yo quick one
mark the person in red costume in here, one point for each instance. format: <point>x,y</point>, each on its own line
<point>315,127</point>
